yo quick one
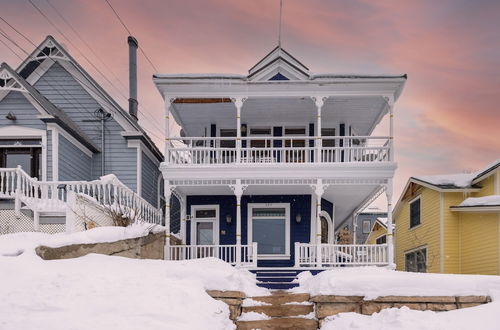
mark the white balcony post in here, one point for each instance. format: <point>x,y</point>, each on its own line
<point>168,195</point>
<point>238,102</point>
<point>390,102</point>
<point>17,201</point>
<point>319,101</point>
<point>390,240</point>
<point>168,103</point>
<point>297,254</point>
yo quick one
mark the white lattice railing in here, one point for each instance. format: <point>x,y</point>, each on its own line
<point>245,256</point>
<point>297,149</point>
<point>313,255</point>
<point>52,196</point>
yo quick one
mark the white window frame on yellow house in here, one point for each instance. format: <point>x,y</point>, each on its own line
<point>422,247</point>
<point>380,236</point>
<point>409,212</point>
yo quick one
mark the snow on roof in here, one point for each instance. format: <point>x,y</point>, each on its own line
<point>492,200</point>
<point>200,75</point>
<point>459,180</point>
<point>462,180</point>
<point>354,75</point>
<point>382,221</point>
<point>373,209</point>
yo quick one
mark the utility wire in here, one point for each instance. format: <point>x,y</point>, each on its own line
<point>152,120</point>
<point>130,33</point>
<point>82,54</point>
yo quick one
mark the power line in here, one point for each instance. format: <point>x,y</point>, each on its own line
<point>8,47</point>
<point>130,33</point>
<point>86,58</point>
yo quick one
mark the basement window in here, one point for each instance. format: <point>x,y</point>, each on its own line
<point>415,212</point>
<point>416,261</point>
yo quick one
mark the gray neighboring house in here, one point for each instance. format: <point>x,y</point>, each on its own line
<point>365,221</point>
<point>50,124</point>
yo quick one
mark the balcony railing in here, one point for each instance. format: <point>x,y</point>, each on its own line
<point>244,256</point>
<point>271,150</point>
<point>332,255</point>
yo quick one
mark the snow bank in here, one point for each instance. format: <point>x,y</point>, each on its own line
<point>373,282</point>
<point>485,317</point>
<point>482,201</point>
<point>14,244</point>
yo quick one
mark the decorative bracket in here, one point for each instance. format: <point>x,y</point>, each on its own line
<point>9,82</point>
<point>319,100</point>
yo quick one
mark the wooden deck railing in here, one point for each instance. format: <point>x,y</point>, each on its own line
<point>52,196</point>
<point>331,255</point>
<point>261,150</point>
<point>246,256</point>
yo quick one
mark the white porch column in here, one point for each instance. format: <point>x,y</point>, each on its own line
<point>319,190</point>
<point>168,104</point>
<point>183,202</point>
<point>390,102</point>
<point>238,189</point>
<point>319,101</point>
<point>238,102</point>
<point>354,227</point>
<point>390,240</point>
<point>168,195</point>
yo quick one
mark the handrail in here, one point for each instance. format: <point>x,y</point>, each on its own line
<point>52,196</point>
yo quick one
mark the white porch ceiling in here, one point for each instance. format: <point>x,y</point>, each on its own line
<point>362,112</point>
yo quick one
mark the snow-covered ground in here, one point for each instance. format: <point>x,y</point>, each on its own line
<point>373,282</point>
<point>103,292</point>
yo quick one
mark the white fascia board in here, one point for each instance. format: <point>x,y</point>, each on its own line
<point>70,138</point>
<point>15,131</point>
<point>279,171</point>
<point>475,209</point>
<point>33,78</point>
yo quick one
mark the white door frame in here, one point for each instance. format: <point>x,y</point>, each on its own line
<point>286,206</point>
<point>215,221</point>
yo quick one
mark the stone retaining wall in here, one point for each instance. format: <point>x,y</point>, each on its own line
<point>146,247</point>
<point>332,305</point>
<point>233,299</point>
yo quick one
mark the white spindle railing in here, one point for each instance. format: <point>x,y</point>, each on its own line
<point>340,255</point>
<point>51,196</point>
<point>282,149</point>
<point>223,252</point>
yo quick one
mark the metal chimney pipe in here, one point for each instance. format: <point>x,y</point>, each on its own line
<point>132,54</point>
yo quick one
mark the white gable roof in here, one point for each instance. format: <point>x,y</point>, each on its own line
<point>278,61</point>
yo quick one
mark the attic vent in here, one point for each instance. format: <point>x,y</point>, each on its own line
<point>279,76</point>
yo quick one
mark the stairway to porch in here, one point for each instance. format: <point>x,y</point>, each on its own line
<point>285,311</point>
<point>279,278</point>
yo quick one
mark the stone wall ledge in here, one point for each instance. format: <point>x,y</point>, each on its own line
<point>234,300</point>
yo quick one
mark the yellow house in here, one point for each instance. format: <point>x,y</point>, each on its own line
<point>450,223</point>
<point>378,232</point>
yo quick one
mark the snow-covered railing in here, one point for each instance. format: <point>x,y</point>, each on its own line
<point>228,253</point>
<point>296,149</point>
<point>52,196</point>
<point>331,255</point>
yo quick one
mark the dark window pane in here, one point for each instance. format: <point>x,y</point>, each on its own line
<point>260,131</point>
<point>209,213</point>
<point>381,240</point>
<point>269,235</point>
<point>415,213</point>
<point>268,212</point>
<point>204,233</point>
<point>295,131</point>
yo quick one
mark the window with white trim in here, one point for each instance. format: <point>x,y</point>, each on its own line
<point>367,226</point>
<point>415,207</point>
<point>270,229</point>
<point>416,261</point>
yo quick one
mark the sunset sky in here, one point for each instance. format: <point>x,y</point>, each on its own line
<point>447,119</point>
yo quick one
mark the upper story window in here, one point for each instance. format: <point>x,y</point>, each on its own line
<point>415,212</point>
<point>367,226</point>
<point>301,131</point>
<point>325,133</point>
<point>260,131</point>
<point>228,133</point>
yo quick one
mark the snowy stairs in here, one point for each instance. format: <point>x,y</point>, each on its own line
<point>278,278</point>
<point>281,310</point>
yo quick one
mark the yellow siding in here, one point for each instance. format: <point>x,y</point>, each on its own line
<point>451,237</point>
<point>479,243</point>
<point>426,234</point>
<point>375,233</point>
<point>487,187</point>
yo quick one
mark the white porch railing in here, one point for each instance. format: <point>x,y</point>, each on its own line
<point>52,196</point>
<point>297,149</point>
<point>331,255</point>
<point>229,253</point>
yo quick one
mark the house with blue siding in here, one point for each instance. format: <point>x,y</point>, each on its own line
<point>269,163</point>
<point>60,125</point>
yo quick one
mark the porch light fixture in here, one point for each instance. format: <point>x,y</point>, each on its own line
<point>228,219</point>
<point>298,218</point>
<point>11,116</point>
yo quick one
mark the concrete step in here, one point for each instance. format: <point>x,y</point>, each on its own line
<point>281,298</point>
<point>280,310</point>
<point>278,324</point>
<point>276,279</point>
<point>277,285</point>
